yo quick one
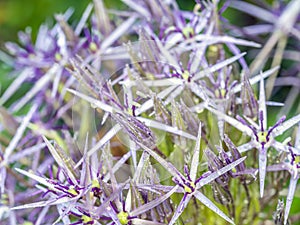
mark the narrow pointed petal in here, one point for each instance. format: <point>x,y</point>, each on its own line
<point>289,198</point>
<point>33,205</point>
<point>104,204</point>
<point>226,39</point>
<point>180,208</point>
<point>39,85</point>
<point>209,204</point>
<point>217,66</point>
<point>118,165</point>
<point>156,188</point>
<point>15,140</point>
<point>102,22</point>
<point>119,31</point>
<point>155,83</point>
<point>166,54</point>
<point>83,19</point>
<point>94,102</point>
<point>262,104</point>
<point>109,135</point>
<point>218,173</point>
<point>45,203</point>
<point>253,10</point>
<point>245,147</point>
<point>149,104</point>
<point>174,94</point>
<point>286,125</point>
<point>262,170</point>
<point>154,203</point>
<point>283,147</point>
<point>196,154</point>
<point>237,124</point>
<point>256,78</point>
<point>15,85</point>
<point>60,160</point>
<point>137,221</point>
<point>167,165</point>
<point>272,103</point>
<point>297,141</point>
<point>27,151</point>
<point>164,127</point>
<point>277,167</point>
<point>39,179</point>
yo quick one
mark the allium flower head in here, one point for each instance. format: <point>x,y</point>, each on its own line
<point>119,108</point>
<point>291,163</point>
<point>261,137</point>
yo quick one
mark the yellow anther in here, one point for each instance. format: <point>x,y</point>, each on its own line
<point>190,189</point>
<point>72,191</point>
<point>213,48</point>
<point>27,223</point>
<point>95,184</point>
<point>31,56</point>
<point>185,75</point>
<point>220,93</point>
<point>58,57</point>
<point>262,136</point>
<point>123,217</point>
<point>297,159</point>
<point>187,32</point>
<point>93,47</point>
<point>86,219</point>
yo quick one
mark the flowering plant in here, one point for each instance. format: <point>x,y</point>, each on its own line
<point>149,115</point>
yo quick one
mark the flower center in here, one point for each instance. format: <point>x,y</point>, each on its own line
<point>220,93</point>
<point>185,75</point>
<point>123,218</point>
<point>188,32</point>
<point>57,57</point>
<point>87,220</point>
<point>190,187</point>
<point>93,46</point>
<point>262,137</point>
<point>95,184</point>
<point>297,161</point>
<point>31,56</point>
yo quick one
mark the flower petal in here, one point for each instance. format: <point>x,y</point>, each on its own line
<point>289,198</point>
<point>218,173</point>
<point>209,204</point>
<point>180,208</point>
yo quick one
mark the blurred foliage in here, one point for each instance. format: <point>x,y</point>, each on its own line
<point>16,15</point>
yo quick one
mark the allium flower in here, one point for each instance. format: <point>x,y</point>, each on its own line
<point>261,137</point>
<point>182,30</point>
<point>221,185</point>
<point>125,117</point>
<point>84,218</point>
<point>233,155</point>
<point>188,184</point>
<point>292,164</point>
<point>5,157</point>
<point>66,189</point>
<point>120,212</point>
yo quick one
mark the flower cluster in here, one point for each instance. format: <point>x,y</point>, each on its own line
<point>113,130</point>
